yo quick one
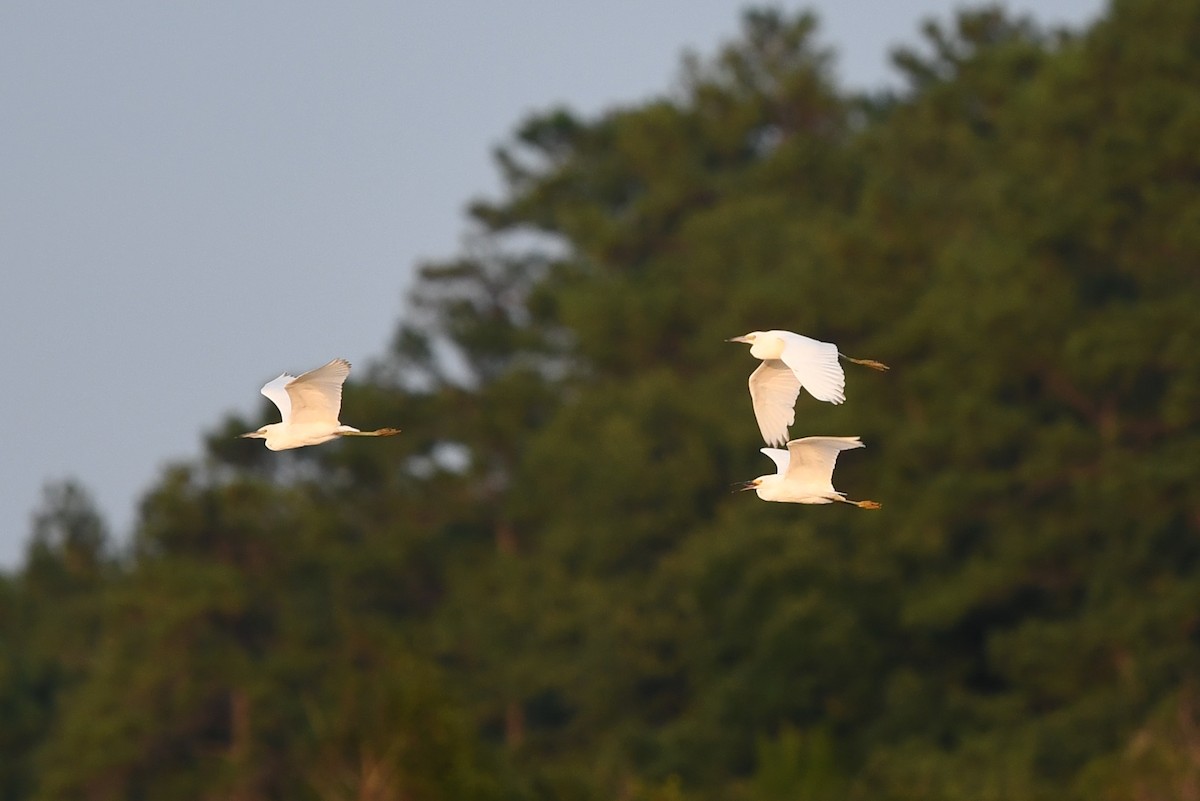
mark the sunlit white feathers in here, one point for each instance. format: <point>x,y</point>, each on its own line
<point>791,362</point>
<point>804,472</point>
<point>309,405</point>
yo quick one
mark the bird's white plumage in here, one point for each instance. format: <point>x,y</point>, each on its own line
<point>780,457</point>
<point>815,365</point>
<point>276,392</point>
<point>773,392</point>
<point>804,472</point>
<point>789,362</point>
<point>309,405</point>
<point>811,460</point>
<point>316,396</point>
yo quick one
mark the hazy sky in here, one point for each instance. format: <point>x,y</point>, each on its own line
<point>196,196</point>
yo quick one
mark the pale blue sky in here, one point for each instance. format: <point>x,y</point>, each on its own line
<point>180,182</point>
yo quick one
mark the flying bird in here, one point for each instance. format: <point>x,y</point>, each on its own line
<point>309,404</point>
<point>789,362</point>
<point>804,472</point>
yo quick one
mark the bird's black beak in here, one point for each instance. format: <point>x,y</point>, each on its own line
<point>742,486</point>
<point>737,339</point>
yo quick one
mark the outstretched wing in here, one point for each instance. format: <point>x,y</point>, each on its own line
<point>773,391</point>
<point>780,457</point>
<point>815,365</point>
<point>813,459</point>
<point>316,396</point>
<point>276,392</point>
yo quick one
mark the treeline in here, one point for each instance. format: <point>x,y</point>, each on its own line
<point>544,588</point>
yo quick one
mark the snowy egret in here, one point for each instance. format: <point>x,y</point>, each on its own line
<point>805,472</point>
<point>309,404</point>
<point>791,361</point>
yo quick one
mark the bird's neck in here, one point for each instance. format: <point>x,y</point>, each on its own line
<point>766,347</point>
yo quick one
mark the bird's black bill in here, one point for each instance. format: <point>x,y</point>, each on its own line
<point>742,486</point>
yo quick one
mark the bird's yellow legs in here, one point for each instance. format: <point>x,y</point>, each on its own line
<point>863,504</point>
<point>382,432</point>
<point>874,365</point>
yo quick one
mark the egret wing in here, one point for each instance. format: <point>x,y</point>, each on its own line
<point>813,459</point>
<point>317,395</point>
<point>815,365</point>
<point>276,392</point>
<point>773,391</point>
<point>780,457</point>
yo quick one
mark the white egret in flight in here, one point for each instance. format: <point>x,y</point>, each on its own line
<point>310,404</point>
<point>805,472</point>
<point>791,361</point>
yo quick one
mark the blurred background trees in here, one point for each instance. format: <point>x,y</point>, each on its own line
<point>545,590</point>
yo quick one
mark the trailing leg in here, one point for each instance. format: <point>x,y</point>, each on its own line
<point>874,365</point>
<point>382,432</point>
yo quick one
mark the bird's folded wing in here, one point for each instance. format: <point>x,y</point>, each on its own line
<point>317,395</point>
<point>816,367</point>
<point>773,391</point>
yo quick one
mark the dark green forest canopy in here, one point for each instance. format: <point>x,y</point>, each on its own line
<point>545,590</point>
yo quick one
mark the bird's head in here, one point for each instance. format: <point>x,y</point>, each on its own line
<point>763,344</point>
<point>742,486</point>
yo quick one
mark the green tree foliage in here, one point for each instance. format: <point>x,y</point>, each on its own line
<point>544,589</point>
<point>49,622</point>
